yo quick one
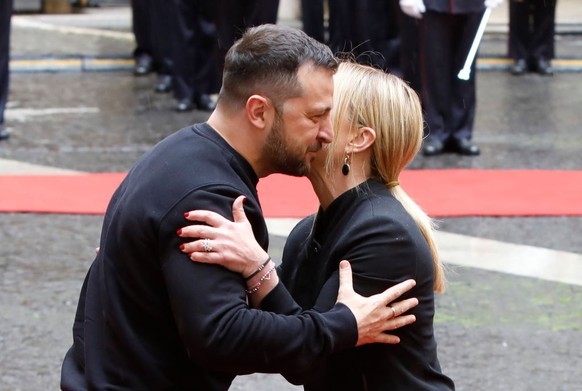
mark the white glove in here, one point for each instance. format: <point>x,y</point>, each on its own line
<point>415,8</point>
<point>492,3</point>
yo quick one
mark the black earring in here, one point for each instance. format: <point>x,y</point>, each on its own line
<point>346,166</point>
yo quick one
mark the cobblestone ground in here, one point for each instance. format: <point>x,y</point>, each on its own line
<point>495,332</point>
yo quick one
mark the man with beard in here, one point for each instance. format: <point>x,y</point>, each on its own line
<point>148,317</point>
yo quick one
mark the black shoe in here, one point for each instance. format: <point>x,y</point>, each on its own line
<point>164,83</point>
<point>204,103</point>
<point>4,135</point>
<point>433,148</point>
<point>519,67</point>
<point>465,147</point>
<point>543,67</point>
<point>184,105</point>
<point>144,64</point>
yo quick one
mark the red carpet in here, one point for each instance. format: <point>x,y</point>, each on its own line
<point>439,192</point>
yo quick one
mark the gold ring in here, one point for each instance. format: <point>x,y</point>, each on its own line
<point>393,311</point>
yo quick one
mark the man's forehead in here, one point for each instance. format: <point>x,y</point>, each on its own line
<point>309,68</point>
<point>315,80</point>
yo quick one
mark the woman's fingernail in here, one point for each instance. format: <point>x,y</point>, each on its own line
<point>186,214</point>
<point>179,232</point>
<point>182,247</point>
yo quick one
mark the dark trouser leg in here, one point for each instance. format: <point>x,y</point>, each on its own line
<point>519,30</point>
<point>141,24</point>
<point>208,78</point>
<point>437,72</point>
<point>312,18</point>
<point>381,24</point>
<point>194,56</point>
<point>183,49</point>
<point>349,31</point>
<point>5,19</point>
<point>357,36</point>
<point>408,30</point>
<point>462,114</point>
<point>163,34</point>
<point>339,25</point>
<point>262,12</point>
<point>542,39</point>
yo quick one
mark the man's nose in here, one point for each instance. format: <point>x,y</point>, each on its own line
<point>325,135</point>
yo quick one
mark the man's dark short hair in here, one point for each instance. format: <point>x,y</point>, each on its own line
<point>265,61</point>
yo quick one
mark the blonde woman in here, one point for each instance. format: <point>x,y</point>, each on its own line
<point>366,217</point>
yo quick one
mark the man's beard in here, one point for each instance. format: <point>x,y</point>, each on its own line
<point>283,158</point>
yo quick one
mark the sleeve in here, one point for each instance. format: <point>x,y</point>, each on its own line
<point>218,329</point>
<point>280,301</point>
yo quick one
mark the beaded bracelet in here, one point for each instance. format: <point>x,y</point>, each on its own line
<point>259,269</point>
<point>257,286</point>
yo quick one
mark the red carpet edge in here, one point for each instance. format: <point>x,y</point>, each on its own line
<point>441,193</point>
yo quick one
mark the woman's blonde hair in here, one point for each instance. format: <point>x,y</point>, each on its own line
<point>365,96</point>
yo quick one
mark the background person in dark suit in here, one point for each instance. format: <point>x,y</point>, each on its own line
<point>5,18</point>
<point>531,35</point>
<point>447,32</point>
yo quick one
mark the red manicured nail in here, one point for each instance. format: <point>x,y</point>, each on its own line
<point>179,232</point>
<point>186,214</point>
<point>182,247</point>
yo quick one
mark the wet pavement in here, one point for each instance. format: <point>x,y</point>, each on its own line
<point>496,331</point>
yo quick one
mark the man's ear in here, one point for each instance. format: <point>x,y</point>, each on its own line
<point>364,139</point>
<point>260,111</point>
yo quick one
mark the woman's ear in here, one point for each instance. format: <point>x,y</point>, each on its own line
<point>260,111</point>
<point>364,139</point>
